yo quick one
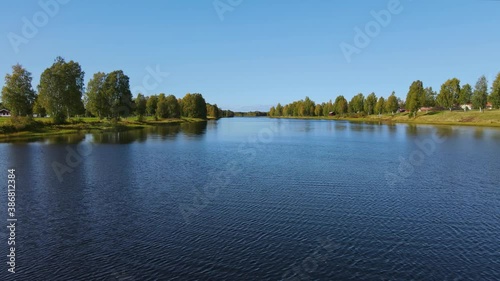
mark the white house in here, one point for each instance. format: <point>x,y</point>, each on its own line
<point>4,113</point>
<point>466,106</point>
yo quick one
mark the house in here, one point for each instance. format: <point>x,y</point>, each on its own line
<point>426,109</point>
<point>489,105</point>
<point>331,113</point>
<point>4,113</point>
<point>467,106</point>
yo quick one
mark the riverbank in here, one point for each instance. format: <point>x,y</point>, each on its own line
<point>489,118</point>
<point>22,128</point>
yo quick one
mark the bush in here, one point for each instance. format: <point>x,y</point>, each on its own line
<point>18,124</point>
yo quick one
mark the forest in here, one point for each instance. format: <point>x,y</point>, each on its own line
<point>419,98</point>
<point>61,94</point>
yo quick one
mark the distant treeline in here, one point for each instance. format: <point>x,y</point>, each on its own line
<point>61,94</point>
<point>451,95</point>
<point>251,114</point>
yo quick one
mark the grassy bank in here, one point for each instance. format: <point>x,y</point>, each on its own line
<point>490,118</point>
<point>19,128</point>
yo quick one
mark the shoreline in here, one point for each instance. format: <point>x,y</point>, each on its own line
<point>47,129</point>
<point>471,119</point>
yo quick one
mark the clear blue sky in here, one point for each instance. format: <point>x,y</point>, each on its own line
<point>263,51</point>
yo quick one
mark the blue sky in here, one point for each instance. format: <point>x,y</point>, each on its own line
<point>258,53</point>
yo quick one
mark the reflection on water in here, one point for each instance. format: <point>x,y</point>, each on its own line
<point>164,132</point>
<point>119,212</point>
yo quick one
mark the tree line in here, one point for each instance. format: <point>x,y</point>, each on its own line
<point>451,95</point>
<point>61,94</point>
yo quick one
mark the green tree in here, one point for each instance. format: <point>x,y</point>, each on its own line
<point>465,95</point>
<point>415,97</point>
<point>95,99</point>
<point>38,108</point>
<point>174,109</point>
<point>380,106</point>
<point>61,89</point>
<point>370,102</point>
<point>194,106</point>
<point>357,103</point>
<point>117,90</point>
<point>450,91</point>
<point>140,105</point>
<point>392,103</point>
<point>17,93</point>
<point>151,105</point>
<point>318,110</point>
<point>495,92</point>
<point>341,105</point>
<point>480,94</point>
<point>279,110</point>
<point>272,112</point>
<point>430,97</point>
<point>161,106</point>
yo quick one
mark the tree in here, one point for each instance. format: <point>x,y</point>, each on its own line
<point>61,89</point>
<point>117,90</point>
<point>370,102</point>
<point>38,108</point>
<point>140,105</point>
<point>341,105</point>
<point>318,110</point>
<point>392,103</point>
<point>465,95</point>
<point>174,109</point>
<point>380,106</point>
<point>430,97</point>
<point>480,94</point>
<point>272,112</point>
<point>279,110</point>
<point>415,97</point>
<point>495,92</point>
<point>151,105</point>
<point>161,106</point>
<point>448,96</point>
<point>17,93</point>
<point>95,99</point>
<point>194,106</point>
<point>357,103</point>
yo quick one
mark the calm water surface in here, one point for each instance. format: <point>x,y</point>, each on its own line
<point>257,199</point>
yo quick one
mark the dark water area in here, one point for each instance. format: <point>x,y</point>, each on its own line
<point>256,199</point>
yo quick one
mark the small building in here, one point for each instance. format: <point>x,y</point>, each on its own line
<point>4,113</point>
<point>331,113</point>
<point>467,106</point>
<point>489,105</point>
<point>426,109</point>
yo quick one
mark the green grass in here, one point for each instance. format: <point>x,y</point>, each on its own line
<point>490,118</point>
